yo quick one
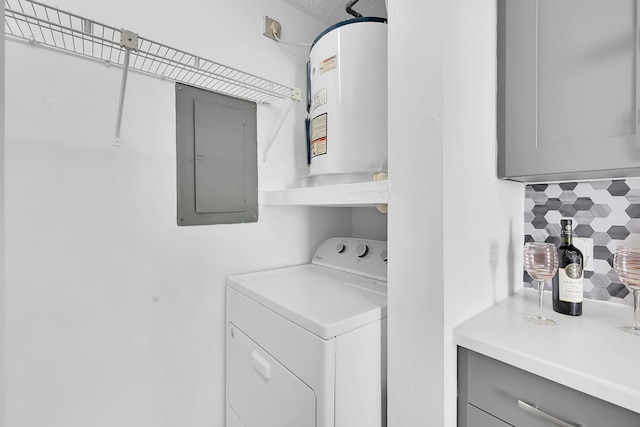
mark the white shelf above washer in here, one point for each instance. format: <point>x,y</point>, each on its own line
<point>345,195</point>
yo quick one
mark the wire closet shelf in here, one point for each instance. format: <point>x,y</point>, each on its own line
<point>40,24</point>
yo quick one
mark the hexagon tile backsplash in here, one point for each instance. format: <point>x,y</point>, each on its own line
<point>606,211</point>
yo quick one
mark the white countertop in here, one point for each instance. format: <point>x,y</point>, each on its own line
<point>588,353</point>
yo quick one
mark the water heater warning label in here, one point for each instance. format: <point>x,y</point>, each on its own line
<point>318,134</point>
<point>319,99</point>
<point>329,64</point>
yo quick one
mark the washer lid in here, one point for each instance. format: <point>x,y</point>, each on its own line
<point>323,301</point>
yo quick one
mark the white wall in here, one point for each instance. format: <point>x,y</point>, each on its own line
<point>2,222</point>
<point>463,256</point>
<point>483,216</point>
<point>416,276</point>
<point>114,315</point>
<point>369,223</point>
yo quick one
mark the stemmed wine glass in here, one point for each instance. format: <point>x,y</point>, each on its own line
<point>626,262</point>
<point>541,262</point>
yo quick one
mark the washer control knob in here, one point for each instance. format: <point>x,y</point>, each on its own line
<point>361,250</point>
<point>383,255</point>
<point>340,247</point>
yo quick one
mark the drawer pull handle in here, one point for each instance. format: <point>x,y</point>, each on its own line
<point>533,409</point>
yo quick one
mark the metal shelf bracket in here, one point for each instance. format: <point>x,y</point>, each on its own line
<point>129,42</point>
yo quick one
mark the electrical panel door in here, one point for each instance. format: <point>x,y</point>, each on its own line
<point>216,158</point>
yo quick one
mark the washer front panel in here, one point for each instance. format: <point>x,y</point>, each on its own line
<point>309,357</point>
<point>262,392</point>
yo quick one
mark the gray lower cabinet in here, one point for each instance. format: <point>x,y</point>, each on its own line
<point>568,89</point>
<point>494,394</point>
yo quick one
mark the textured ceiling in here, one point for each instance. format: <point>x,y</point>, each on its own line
<point>332,11</point>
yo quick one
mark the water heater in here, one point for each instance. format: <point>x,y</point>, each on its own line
<point>347,103</point>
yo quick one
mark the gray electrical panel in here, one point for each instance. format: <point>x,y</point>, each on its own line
<point>216,147</point>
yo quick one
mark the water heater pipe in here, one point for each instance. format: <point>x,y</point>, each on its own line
<point>352,12</point>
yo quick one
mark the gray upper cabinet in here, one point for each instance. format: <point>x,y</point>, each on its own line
<point>568,89</point>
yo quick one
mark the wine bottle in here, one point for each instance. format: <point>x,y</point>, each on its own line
<point>568,283</point>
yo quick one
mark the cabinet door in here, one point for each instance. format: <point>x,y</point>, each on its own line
<point>523,399</point>
<point>567,103</point>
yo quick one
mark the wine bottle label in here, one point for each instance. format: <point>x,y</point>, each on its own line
<point>570,284</point>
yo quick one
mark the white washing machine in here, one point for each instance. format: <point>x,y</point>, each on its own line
<point>306,345</point>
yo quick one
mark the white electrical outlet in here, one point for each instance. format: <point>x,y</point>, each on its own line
<point>586,247</point>
<point>271,28</point>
